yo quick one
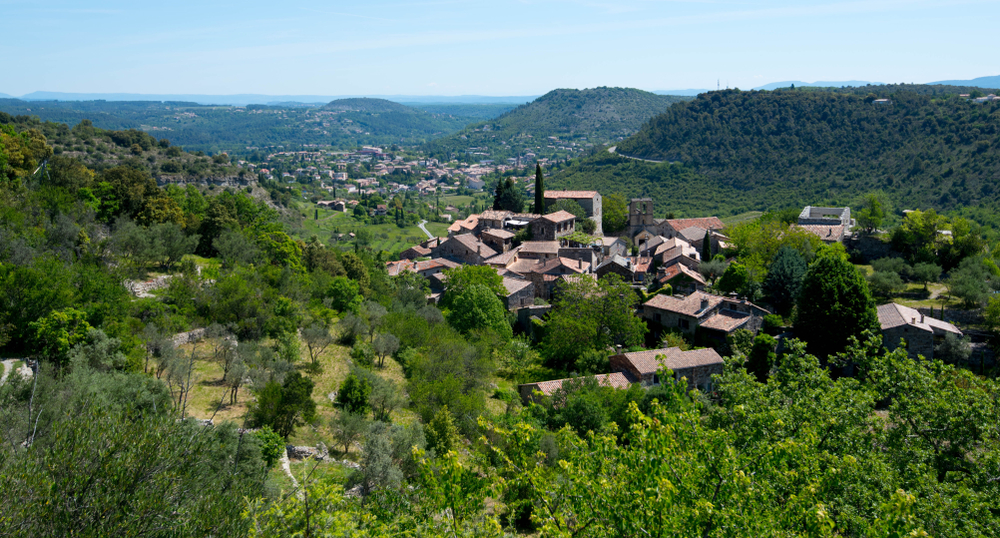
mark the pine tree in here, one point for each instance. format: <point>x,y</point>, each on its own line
<point>498,194</point>
<point>539,190</point>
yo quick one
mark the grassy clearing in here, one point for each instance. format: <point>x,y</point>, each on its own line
<point>741,218</point>
<point>936,295</point>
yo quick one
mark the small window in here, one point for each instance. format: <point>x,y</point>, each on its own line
<point>682,323</point>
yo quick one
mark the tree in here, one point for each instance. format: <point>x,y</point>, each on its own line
<point>385,344</point>
<point>970,282</point>
<point>539,190</point>
<point>317,338</point>
<point>926,272</point>
<point>98,352</point>
<point>378,470</point>
<point>234,247</point>
<point>463,277</point>
<point>508,196</point>
<point>171,242</point>
<point>834,304</point>
<point>56,333</point>
<point>614,214</point>
<point>884,283</point>
<point>284,406</point>
<point>761,357</point>
<point>784,278</point>
<point>953,349</point>
<point>343,294</point>
<point>737,279</point>
<point>348,428</point>
<point>441,433</point>
<point>372,313</point>
<point>590,314</point>
<point>353,394</point>
<point>478,308</point>
<point>874,208</point>
<point>272,446</point>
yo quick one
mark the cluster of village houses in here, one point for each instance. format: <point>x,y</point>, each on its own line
<point>434,176</point>
<point>668,252</point>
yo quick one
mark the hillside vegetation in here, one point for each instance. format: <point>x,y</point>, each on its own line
<point>594,115</point>
<point>928,148</point>
<point>345,123</point>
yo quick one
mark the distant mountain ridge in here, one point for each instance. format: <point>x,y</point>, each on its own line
<point>260,99</point>
<point>981,82</point>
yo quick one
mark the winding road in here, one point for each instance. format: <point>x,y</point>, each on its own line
<point>613,149</point>
<point>421,226</point>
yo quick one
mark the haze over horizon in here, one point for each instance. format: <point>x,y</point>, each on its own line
<point>452,48</point>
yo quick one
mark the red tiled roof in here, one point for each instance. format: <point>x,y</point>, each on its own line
<point>559,216</point>
<point>649,362</point>
<point>616,380</point>
<point>499,233</point>
<point>830,234</point>
<point>677,269</point>
<point>540,247</point>
<point>514,285</point>
<point>556,195</point>
<point>705,223</point>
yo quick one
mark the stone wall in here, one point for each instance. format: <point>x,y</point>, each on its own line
<point>918,342</point>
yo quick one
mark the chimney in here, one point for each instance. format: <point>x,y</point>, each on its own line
<point>921,317</point>
<point>704,303</point>
<point>913,320</point>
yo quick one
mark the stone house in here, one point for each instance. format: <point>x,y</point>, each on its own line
<point>494,218</point>
<point>590,201</point>
<point>540,250</point>
<point>618,265</point>
<point>697,366</point>
<point>464,248</point>
<point>553,226</point>
<point>520,293</point>
<point>498,239</point>
<point>709,316</point>
<point>682,279</point>
<point>918,333</point>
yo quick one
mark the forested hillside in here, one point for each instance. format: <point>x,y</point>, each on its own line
<point>928,147</point>
<point>164,412</point>
<point>587,116</point>
<point>233,129</point>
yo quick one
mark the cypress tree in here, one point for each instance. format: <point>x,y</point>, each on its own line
<point>706,247</point>
<point>539,190</point>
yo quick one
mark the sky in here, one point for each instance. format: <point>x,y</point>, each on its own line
<point>494,48</point>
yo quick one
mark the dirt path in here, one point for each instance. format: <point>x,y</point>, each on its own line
<point>8,367</point>
<point>287,467</point>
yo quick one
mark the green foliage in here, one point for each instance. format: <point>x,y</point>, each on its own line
<point>272,446</point>
<point>614,213</point>
<point>353,394</point>
<point>926,272</point>
<point>348,428</point>
<point>953,349</point>
<point>734,280</point>
<point>283,407</point>
<point>464,277</point>
<point>834,305</point>
<point>884,283</point>
<point>477,308</point>
<point>761,357</point>
<point>592,362</point>
<point>55,334</point>
<point>875,207</point>
<point>442,435</point>
<point>784,279</point>
<point>98,352</point>
<point>363,354</point>
<point>590,314</point>
<point>344,294</point>
<point>741,342</point>
<point>970,282</point>
<point>508,197</point>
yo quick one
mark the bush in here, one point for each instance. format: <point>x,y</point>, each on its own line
<point>363,354</point>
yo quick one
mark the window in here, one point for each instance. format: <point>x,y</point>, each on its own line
<point>683,323</point>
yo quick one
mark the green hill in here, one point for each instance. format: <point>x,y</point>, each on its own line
<point>367,104</point>
<point>345,123</point>
<point>581,117</point>
<point>735,151</point>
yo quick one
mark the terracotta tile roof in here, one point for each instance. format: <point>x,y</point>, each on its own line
<point>616,380</point>
<point>706,223</point>
<point>435,263</point>
<point>398,267</point>
<point>673,271</point>
<point>688,306</point>
<point>726,321</point>
<point>559,216</point>
<point>693,233</point>
<point>556,195</point>
<point>548,266</point>
<point>416,251</point>
<point>829,234</point>
<point>895,315</point>
<point>464,225</point>
<point>523,266</point>
<point>649,362</point>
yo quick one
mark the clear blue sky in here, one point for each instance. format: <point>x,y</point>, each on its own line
<point>498,47</point>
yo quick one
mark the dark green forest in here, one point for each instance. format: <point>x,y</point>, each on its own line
<point>595,115</point>
<point>759,150</point>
